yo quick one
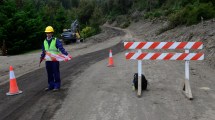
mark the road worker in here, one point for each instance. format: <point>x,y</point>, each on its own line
<point>53,45</point>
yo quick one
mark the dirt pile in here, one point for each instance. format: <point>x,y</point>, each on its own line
<point>106,33</point>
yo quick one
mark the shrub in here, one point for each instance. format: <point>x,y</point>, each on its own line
<point>123,21</point>
<point>87,32</point>
<point>192,14</point>
<point>204,10</point>
<point>148,15</point>
<point>157,14</point>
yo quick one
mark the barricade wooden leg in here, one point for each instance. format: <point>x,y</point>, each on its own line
<point>187,90</point>
<point>190,96</point>
<point>139,90</point>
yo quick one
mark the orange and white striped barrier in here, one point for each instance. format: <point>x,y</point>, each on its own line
<point>53,57</point>
<point>165,56</point>
<point>163,45</point>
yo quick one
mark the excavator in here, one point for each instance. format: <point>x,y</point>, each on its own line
<point>72,35</point>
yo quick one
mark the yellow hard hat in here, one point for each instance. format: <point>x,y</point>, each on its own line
<point>49,29</point>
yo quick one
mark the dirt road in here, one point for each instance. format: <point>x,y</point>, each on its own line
<point>93,91</point>
<point>103,93</point>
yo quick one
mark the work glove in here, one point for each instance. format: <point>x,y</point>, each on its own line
<point>70,56</point>
<point>67,59</point>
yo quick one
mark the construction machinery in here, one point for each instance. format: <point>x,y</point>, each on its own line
<point>71,35</point>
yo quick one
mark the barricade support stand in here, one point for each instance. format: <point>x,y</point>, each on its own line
<point>186,87</point>
<point>139,90</point>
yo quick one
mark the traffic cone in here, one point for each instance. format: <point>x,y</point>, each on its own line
<point>110,64</point>
<point>14,90</point>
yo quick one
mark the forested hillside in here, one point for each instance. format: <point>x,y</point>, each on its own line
<point>23,21</point>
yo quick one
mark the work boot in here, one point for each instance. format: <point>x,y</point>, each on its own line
<point>48,89</point>
<point>56,89</point>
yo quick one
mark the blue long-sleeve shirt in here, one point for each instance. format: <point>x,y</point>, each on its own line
<point>58,46</point>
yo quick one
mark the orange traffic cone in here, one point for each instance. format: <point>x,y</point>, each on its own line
<point>14,90</point>
<point>110,64</point>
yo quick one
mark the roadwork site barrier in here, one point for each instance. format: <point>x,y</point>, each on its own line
<point>165,56</point>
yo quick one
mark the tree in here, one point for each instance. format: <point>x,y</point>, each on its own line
<point>84,11</point>
<point>19,3</point>
<point>96,18</point>
<point>60,19</point>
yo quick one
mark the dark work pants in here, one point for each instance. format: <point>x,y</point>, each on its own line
<point>53,72</point>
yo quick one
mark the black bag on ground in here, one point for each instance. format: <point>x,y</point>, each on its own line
<point>144,81</point>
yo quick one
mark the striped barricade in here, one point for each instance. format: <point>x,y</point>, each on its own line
<point>163,45</point>
<point>165,56</point>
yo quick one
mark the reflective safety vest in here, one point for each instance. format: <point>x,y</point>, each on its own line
<point>52,48</point>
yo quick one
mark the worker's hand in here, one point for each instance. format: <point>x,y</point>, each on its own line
<point>66,60</point>
<point>41,59</point>
<point>70,56</point>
